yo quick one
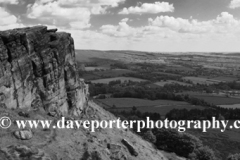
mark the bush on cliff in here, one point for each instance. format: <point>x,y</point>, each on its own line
<point>183,144</point>
<point>202,153</point>
<point>149,136</point>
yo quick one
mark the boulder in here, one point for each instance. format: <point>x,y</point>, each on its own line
<point>130,147</point>
<point>25,134</point>
<point>23,114</point>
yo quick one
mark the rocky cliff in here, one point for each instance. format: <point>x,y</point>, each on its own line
<point>37,69</point>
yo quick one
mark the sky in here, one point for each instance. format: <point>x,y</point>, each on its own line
<point>143,25</point>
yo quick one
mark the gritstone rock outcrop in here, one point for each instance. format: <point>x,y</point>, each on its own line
<point>38,69</point>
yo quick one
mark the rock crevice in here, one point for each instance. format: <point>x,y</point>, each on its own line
<point>38,69</point>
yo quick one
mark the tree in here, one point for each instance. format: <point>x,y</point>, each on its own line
<point>182,144</point>
<point>149,136</point>
<point>134,109</point>
<point>203,153</point>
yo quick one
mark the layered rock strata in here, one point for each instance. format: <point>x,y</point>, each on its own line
<point>38,69</point>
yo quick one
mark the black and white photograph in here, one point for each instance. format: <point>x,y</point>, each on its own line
<point>119,79</point>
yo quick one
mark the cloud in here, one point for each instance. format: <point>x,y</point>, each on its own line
<point>154,39</point>
<point>84,3</point>
<point>6,18</point>
<point>122,30</point>
<point>225,22</point>
<point>162,33</point>
<point>151,8</point>
<point>234,4</point>
<point>177,28</point>
<point>77,17</point>
<point>101,6</point>
<point>99,10</point>
<point>165,33</point>
<point>112,3</point>
<point>74,14</point>
<point>9,1</point>
<point>180,25</point>
<point>8,21</point>
<point>226,19</point>
<point>125,20</point>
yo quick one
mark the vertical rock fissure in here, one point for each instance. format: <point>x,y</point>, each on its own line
<point>22,80</point>
<point>14,85</point>
<point>4,39</point>
<point>10,60</point>
<point>67,91</point>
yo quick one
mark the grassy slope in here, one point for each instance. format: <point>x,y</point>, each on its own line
<point>72,144</point>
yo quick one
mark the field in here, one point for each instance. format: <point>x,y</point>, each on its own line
<point>117,55</point>
<point>214,98</point>
<point>201,80</point>
<point>107,80</point>
<point>163,83</point>
<point>90,76</point>
<point>129,102</point>
<point>168,74</point>
<point>217,100</point>
<point>178,68</point>
<point>225,78</point>
<point>89,55</point>
<point>159,106</point>
<point>221,78</point>
<point>213,67</point>
<point>96,68</point>
<point>113,72</point>
<point>103,74</point>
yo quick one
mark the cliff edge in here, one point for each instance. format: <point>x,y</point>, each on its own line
<point>38,69</point>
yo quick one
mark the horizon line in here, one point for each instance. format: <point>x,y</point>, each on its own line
<point>162,51</point>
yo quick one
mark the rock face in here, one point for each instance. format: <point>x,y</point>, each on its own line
<point>130,147</point>
<point>22,152</point>
<point>38,69</point>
